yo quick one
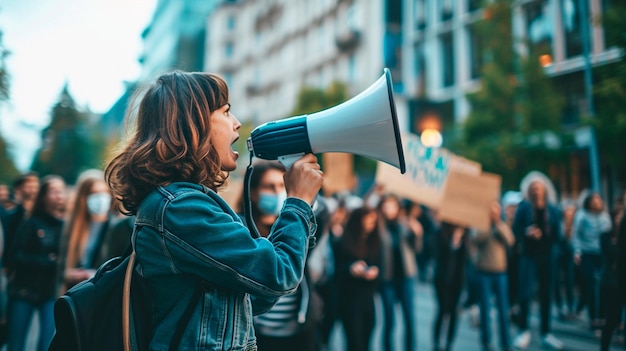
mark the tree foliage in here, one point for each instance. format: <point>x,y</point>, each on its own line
<point>515,115</point>
<point>610,93</point>
<point>71,143</point>
<point>8,171</point>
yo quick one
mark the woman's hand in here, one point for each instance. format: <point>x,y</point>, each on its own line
<point>304,179</point>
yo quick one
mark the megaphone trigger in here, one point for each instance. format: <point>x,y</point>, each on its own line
<point>288,160</point>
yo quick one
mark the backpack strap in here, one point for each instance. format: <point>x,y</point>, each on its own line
<point>182,323</point>
<point>126,302</point>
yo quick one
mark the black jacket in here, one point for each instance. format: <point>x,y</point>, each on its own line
<point>32,259</point>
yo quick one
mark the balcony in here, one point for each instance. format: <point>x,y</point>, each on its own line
<point>348,40</point>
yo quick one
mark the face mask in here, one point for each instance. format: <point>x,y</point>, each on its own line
<point>99,203</point>
<point>270,204</point>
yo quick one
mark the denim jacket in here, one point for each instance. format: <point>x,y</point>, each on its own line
<point>186,234</point>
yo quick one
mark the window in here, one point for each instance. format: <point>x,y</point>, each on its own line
<point>230,22</point>
<point>571,26</point>
<point>539,26</point>
<point>446,9</point>
<point>420,69</point>
<point>229,49</point>
<point>473,5</point>
<point>447,56</point>
<point>421,14</point>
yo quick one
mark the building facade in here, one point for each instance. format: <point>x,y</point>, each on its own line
<point>267,50</point>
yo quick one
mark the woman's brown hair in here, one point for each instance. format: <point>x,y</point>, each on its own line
<point>171,139</point>
<point>77,226</point>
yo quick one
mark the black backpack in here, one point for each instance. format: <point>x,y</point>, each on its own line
<point>89,316</point>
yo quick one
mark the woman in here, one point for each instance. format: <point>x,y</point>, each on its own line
<point>401,240</point>
<point>287,325</point>
<point>86,229</point>
<point>35,251</point>
<point>491,274</point>
<point>449,273</point>
<point>186,235</point>
<point>589,224</point>
<point>357,262</point>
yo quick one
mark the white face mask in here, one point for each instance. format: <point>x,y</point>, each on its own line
<point>99,203</point>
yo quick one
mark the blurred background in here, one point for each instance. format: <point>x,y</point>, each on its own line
<point>513,85</point>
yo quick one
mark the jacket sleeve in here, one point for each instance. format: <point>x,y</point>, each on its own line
<point>203,239</point>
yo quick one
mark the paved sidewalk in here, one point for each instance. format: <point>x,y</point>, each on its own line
<point>574,334</point>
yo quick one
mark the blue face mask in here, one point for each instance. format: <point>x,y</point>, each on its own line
<point>271,204</point>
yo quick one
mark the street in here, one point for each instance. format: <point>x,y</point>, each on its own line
<point>574,334</point>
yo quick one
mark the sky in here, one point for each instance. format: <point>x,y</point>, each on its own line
<point>92,45</point>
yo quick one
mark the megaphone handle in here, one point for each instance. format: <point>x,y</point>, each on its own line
<point>288,160</point>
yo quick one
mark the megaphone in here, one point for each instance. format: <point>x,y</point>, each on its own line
<point>365,125</point>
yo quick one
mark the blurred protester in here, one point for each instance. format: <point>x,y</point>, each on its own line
<point>6,203</point>
<point>400,238</point>
<point>449,278</point>
<point>291,324</point>
<point>510,202</point>
<point>425,256</point>
<point>85,230</point>
<point>33,261</point>
<point>537,228</point>
<point>25,189</point>
<point>613,296</point>
<point>590,223</point>
<point>564,275</point>
<point>491,268</point>
<point>358,257</point>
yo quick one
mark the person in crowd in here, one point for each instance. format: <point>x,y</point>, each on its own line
<point>25,189</point>
<point>358,256</point>
<point>491,272</point>
<point>33,260</point>
<point>426,254</point>
<point>564,263</point>
<point>86,230</point>
<point>188,239</point>
<point>292,322</point>
<point>6,203</point>
<point>510,202</point>
<point>590,222</point>
<point>400,236</point>
<point>612,297</point>
<point>449,280</point>
<point>537,229</point>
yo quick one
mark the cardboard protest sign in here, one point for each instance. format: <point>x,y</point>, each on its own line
<point>338,172</point>
<point>426,172</point>
<point>467,198</point>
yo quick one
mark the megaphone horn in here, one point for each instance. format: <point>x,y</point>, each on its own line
<point>365,125</point>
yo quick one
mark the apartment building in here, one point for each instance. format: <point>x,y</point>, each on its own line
<point>268,49</point>
<point>443,58</point>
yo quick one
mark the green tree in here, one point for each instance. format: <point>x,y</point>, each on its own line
<point>8,171</point>
<point>610,94</point>
<point>514,123</point>
<point>69,144</point>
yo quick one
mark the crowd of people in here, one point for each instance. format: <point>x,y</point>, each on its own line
<point>564,257</point>
<point>53,236</point>
<point>284,276</point>
<point>556,254</point>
